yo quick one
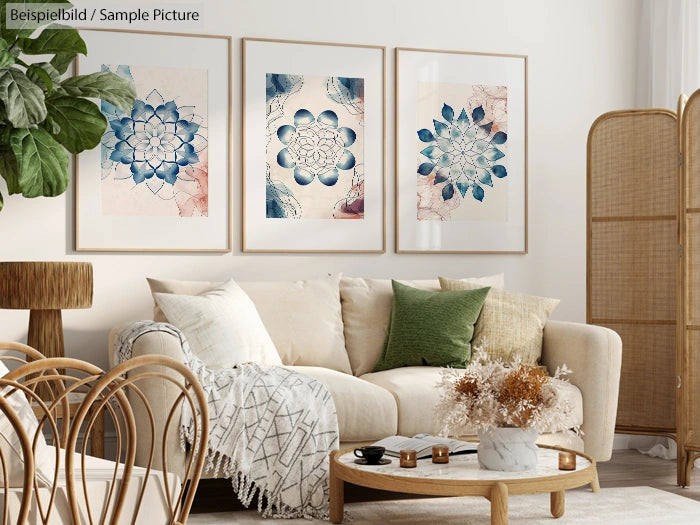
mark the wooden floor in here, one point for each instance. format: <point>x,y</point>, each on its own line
<point>627,468</point>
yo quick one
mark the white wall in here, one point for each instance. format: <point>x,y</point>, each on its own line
<point>581,64</point>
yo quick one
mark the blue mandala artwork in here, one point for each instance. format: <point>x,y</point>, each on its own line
<point>316,147</point>
<point>159,140</point>
<point>462,154</point>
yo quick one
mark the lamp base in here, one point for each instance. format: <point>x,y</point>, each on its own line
<point>46,332</point>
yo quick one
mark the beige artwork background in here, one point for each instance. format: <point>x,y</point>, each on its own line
<point>122,196</point>
<point>431,97</point>
<point>316,199</point>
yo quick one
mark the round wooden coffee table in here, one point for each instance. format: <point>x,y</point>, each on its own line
<point>462,476</point>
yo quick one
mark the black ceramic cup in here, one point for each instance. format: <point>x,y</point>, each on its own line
<point>372,454</point>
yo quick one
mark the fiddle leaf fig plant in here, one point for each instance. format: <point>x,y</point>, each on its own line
<point>44,116</point>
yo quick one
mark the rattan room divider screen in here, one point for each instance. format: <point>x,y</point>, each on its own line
<point>643,265</point>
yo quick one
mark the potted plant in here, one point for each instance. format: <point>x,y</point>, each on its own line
<point>508,405</point>
<point>44,116</point>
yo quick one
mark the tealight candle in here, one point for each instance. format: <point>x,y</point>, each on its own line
<point>441,454</point>
<point>407,458</point>
<point>567,461</point>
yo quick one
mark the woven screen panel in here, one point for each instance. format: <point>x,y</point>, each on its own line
<point>634,169</point>
<point>692,154</point>
<point>691,128</point>
<point>633,270</point>
<point>692,275</point>
<point>633,255</point>
<point>647,404</point>
<point>693,377</point>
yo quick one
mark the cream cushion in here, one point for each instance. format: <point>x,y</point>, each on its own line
<point>509,324</point>
<point>365,411</point>
<point>366,308</point>
<point>416,391</point>
<point>303,318</point>
<point>222,326</point>
<point>11,444</point>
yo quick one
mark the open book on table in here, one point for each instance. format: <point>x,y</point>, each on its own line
<point>423,445</point>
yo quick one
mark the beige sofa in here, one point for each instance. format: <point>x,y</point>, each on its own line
<point>333,330</point>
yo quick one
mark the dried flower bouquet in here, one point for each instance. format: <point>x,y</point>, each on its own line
<point>491,393</point>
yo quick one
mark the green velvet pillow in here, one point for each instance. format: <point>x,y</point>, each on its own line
<point>430,328</point>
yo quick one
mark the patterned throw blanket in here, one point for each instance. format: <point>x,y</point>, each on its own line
<point>271,429</point>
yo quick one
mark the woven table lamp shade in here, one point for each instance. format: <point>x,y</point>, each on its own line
<point>45,288</point>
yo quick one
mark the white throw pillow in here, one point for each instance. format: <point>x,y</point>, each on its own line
<point>303,318</point>
<point>11,445</point>
<point>222,326</point>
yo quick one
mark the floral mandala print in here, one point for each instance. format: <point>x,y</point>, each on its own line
<point>462,153</point>
<point>153,140</point>
<point>160,146</point>
<point>316,147</point>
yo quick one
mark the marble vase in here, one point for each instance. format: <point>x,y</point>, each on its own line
<point>509,449</point>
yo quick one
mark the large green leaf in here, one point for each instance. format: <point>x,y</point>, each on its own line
<point>26,28</point>
<point>23,99</point>
<point>8,170</point>
<point>61,61</point>
<point>103,85</point>
<point>81,121</point>
<point>51,41</point>
<point>42,163</point>
<point>6,58</point>
<point>44,75</point>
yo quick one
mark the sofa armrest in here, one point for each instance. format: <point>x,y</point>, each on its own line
<point>594,355</point>
<point>162,396</point>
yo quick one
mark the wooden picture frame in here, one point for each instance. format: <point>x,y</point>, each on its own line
<point>160,181</point>
<point>461,152</point>
<point>313,147</point>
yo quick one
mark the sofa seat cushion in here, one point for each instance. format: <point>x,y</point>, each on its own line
<point>366,412</point>
<point>416,391</point>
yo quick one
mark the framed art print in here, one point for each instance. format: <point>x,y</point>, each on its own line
<point>160,179</point>
<point>314,147</point>
<point>461,155</point>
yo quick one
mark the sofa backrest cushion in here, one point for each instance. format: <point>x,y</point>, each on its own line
<point>510,323</point>
<point>221,325</point>
<point>366,308</point>
<point>303,318</point>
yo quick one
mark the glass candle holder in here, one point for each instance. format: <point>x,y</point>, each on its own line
<point>407,458</point>
<point>441,454</point>
<point>567,461</point>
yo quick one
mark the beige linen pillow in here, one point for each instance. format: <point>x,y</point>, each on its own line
<point>222,326</point>
<point>303,318</point>
<point>366,308</point>
<point>509,324</point>
<point>11,445</point>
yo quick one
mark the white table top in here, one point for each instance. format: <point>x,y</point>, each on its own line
<point>466,467</point>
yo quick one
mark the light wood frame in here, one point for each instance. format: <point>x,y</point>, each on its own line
<point>246,243</point>
<point>227,160</point>
<point>411,170</point>
<point>688,416</point>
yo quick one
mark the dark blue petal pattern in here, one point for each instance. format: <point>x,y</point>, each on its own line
<point>316,147</point>
<point>425,135</point>
<point>462,153</point>
<point>157,138</point>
